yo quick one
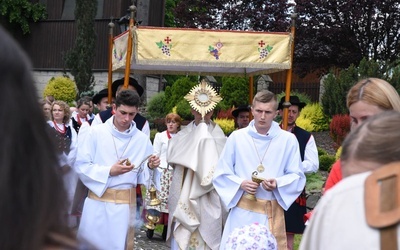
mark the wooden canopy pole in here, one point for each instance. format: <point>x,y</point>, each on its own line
<point>110,48</point>
<point>132,9</point>
<point>287,104</point>
<point>251,95</point>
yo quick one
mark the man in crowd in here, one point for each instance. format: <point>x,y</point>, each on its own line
<point>117,86</point>
<point>242,116</point>
<point>294,216</point>
<point>141,123</point>
<point>101,100</point>
<point>111,161</point>
<point>265,152</point>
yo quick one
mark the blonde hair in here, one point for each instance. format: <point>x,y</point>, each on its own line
<point>376,140</point>
<point>376,92</point>
<point>63,105</point>
<point>174,117</point>
<point>265,96</point>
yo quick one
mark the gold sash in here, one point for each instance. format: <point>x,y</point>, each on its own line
<point>121,196</point>
<point>276,217</point>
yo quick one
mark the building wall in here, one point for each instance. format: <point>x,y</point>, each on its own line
<point>149,83</point>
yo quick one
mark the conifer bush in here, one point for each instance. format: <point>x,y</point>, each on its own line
<point>156,107</point>
<point>227,125</point>
<point>234,91</point>
<point>312,118</point>
<point>175,93</point>
<point>326,162</point>
<point>184,110</point>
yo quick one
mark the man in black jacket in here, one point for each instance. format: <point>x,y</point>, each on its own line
<point>309,155</point>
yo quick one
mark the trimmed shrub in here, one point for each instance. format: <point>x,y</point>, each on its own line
<point>156,107</point>
<point>227,125</point>
<point>234,91</point>
<point>314,182</point>
<point>153,133</point>
<point>176,92</point>
<point>321,151</point>
<point>339,128</point>
<point>305,124</point>
<point>225,114</point>
<point>61,88</point>
<point>338,153</point>
<point>326,162</point>
<point>184,110</point>
<point>314,113</point>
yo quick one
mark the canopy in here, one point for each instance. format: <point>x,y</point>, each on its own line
<point>203,52</point>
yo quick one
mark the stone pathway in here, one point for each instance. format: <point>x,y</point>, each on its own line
<point>143,243</point>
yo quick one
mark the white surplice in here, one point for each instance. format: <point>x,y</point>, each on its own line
<point>196,212</point>
<point>339,220</point>
<point>104,225</point>
<point>240,158</point>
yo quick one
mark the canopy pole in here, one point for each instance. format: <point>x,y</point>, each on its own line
<point>110,48</point>
<point>132,9</point>
<point>287,104</point>
<point>251,94</point>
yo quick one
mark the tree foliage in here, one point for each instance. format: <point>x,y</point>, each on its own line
<point>21,12</point>
<point>337,85</point>
<point>80,58</point>
<point>176,92</point>
<point>329,33</point>
<point>341,33</point>
<point>234,91</point>
<point>233,15</point>
<point>156,107</point>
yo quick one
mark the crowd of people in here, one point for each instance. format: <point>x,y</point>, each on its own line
<point>70,179</point>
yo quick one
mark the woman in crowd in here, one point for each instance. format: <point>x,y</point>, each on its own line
<point>160,145</point>
<point>81,114</point>
<point>66,144</point>
<point>32,195</point>
<point>368,97</point>
<point>46,105</point>
<point>360,211</point>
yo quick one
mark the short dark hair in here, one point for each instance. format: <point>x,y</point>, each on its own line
<point>128,97</point>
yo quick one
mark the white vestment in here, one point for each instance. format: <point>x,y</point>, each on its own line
<point>339,221</point>
<point>104,225</point>
<point>240,159</point>
<point>196,213</point>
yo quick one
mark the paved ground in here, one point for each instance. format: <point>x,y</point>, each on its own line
<point>143,243</point>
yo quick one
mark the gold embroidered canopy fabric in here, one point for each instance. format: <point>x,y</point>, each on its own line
<point>204,52</point>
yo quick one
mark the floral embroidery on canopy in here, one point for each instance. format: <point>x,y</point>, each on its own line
<point>216,51</point>
<point>264,51</point>
<point>165,47</point>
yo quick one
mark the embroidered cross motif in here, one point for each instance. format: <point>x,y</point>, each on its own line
<point>167,40</point>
